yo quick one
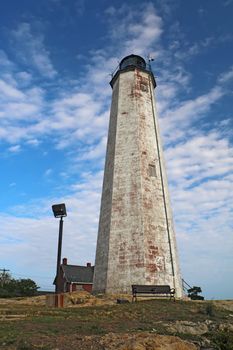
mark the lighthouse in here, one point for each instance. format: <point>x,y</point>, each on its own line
<point>136,239</point>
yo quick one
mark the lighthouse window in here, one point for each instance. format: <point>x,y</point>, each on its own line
<point>152,170</point>
<point>144,87</point>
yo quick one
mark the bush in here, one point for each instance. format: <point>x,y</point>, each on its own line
<point>16,288</point>
<point>26,287</point>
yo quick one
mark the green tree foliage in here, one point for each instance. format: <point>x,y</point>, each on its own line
<point>5,278</point>
<point>10,287</point>
<point>26,287</point>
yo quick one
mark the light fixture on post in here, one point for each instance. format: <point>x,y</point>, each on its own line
<point>59,211</point>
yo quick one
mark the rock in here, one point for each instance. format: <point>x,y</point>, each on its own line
<point>122,301</point>
<point>226,327</point>
<point>144,341</point>
<point>188,327</point>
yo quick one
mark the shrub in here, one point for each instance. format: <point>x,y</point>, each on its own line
<point>223,340</point>
<point>16,288</point>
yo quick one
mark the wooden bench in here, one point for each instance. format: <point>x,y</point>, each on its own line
<point>148,291</point>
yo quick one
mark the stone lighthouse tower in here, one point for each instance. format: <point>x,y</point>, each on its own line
<point>136,240</point>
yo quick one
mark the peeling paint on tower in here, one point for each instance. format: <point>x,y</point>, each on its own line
<point>136,240</point>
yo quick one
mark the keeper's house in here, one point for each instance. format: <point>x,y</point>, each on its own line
<point>74,277</point>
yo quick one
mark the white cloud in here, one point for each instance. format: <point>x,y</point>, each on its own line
<point>228,2</point>
<point>200,173</point>
<point>137,29</point>
<point>4,61</point>
<point>9,91</point>
<point>14,149</point>
<point>79,7</point>
<point>33,142</point>
<point>48,172</point>
<point>186,113</point>
<point>24,78</point>
<point>32,45</point>
<point>111,11</point>
<point>88,180</point>
<point>75,110</point>
<point>95,152</point>
<point>21,107</point>
<point>227,76</point>
<point>81,115</point>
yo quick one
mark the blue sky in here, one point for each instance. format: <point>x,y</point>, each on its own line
<point>56,58</point>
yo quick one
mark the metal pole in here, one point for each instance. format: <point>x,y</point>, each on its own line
<point>59,251</point>
<point>162,182</point>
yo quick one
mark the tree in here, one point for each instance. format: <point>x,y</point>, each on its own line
<point>10,287</point>
<point>5,278</point>
<point>26,287</point>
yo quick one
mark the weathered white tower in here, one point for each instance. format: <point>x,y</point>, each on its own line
<point>136,240</point>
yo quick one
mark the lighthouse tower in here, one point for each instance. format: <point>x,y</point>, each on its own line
<point>136,239</point>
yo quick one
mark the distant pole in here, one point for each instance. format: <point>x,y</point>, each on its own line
<point>59,251</point>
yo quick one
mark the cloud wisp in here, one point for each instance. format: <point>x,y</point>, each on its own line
<point>32,51</point>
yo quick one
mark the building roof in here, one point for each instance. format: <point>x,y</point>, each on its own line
<point>78,274</point>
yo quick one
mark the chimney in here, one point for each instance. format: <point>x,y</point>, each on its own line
<point>64,261</point>
<point>88,264</point>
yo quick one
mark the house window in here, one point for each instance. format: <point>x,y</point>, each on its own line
<point>152,170</point>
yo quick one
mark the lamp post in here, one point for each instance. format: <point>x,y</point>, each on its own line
<point>59,211</point>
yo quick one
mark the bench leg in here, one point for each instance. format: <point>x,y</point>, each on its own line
<point>134,298</point>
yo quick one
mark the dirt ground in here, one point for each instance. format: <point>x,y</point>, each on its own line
<point>99,323</point>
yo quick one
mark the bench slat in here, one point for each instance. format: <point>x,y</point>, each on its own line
<point>152,289</point>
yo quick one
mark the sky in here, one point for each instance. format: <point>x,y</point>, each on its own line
<point>56,60</point>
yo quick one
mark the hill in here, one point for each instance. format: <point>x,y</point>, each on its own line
<point>98,323</point>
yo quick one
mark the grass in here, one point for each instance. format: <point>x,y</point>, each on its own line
<point>44,326</point>
<point>222,340</point>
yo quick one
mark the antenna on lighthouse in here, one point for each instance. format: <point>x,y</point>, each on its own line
<point>150,59</point>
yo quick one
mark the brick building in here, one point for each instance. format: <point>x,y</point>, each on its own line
<point>75,277</point>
